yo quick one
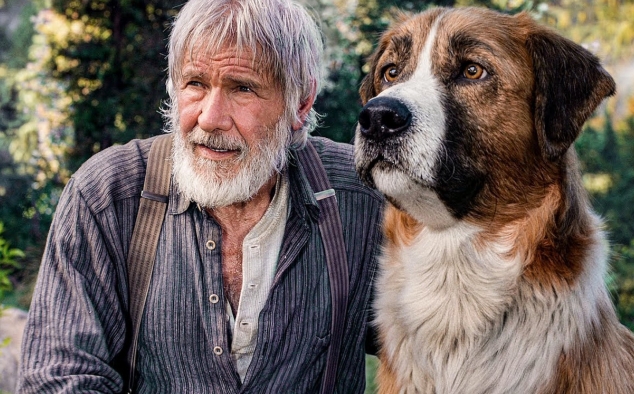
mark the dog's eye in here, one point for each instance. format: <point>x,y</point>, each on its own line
<point>474,71</point>
<point>390,73</point>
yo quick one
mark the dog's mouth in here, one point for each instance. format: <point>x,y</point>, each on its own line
<point>365,172</point>
<point>402,171</point>
<point>391,138</point>
<point>371,162</point>
<point>374,161</point>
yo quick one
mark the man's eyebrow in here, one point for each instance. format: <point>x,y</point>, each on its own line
<point>245,81</point>
<point>193,73</point>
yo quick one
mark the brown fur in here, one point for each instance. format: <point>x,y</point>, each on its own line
<point>604,364</point>
<point>399,227</point>
<point>522,126</point>
<point>385,376</point>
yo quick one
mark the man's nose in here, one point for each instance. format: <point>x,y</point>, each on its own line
<point>214,114</point>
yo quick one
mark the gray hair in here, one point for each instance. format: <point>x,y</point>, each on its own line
<point>285,38</point>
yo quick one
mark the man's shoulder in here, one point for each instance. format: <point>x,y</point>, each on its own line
<point>338,161</point>
<point>115,173</point>
<point>331,150</point>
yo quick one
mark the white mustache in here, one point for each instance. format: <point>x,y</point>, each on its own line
<point>217,141</point>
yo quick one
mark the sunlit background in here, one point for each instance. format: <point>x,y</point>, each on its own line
<point>77,76</point>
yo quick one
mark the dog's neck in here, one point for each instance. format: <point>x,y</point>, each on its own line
<point>472,280</point>
<point>486,274</point>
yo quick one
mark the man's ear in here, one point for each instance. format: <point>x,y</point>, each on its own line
<point>305,107</point>
<point>569,85</point>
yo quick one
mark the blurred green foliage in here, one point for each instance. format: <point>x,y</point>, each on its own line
<point>607,155</point>
<point>8,263</point>
<point>111,57</point>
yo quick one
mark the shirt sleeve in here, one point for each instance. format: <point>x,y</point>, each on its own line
<point>76,324</point>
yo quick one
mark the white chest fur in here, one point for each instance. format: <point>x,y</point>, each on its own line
<point>450,316</point>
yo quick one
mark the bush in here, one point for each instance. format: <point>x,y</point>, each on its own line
<point>8,262</point>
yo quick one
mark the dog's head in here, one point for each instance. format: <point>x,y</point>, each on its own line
<point>470,113</point>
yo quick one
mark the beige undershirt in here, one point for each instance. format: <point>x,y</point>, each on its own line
<point>260,252</point>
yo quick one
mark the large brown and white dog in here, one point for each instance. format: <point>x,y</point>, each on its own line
<point>492,275</point>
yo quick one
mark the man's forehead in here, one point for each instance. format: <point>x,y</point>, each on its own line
<point>245,59</point>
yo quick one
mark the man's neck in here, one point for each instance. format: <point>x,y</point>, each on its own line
<point>239,218</point>
<point>236,221</point>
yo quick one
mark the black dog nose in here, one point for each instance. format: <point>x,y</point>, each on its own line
<point>383,117</point>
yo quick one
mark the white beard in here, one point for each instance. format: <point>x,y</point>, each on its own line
<point>213,184</point>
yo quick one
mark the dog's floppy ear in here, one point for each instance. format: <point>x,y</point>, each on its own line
<point>569,84</point>
<point>367,91</point>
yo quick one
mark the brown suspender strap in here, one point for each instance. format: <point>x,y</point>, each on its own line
<point>148,224</point>
<point>332,236</point>
<point>145,237</point>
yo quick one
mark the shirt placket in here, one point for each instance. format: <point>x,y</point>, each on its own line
<point>243,342</point>
<point>210,238</point>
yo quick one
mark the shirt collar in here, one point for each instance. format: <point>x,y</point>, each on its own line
<point>177,203</point>
<point>302,195</point>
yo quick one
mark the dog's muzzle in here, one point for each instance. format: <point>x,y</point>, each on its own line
<point>384,117</point>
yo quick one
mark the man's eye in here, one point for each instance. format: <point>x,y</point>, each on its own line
<point>194,83</point>
<point>245,89</point>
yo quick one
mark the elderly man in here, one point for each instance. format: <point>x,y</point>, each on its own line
<point>240,294</point>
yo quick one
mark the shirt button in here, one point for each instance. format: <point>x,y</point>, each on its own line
<point>214,298</point>
<point>211,245</point>
<point>218,350</point>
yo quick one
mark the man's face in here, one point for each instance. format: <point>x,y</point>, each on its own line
<point>231,135</point>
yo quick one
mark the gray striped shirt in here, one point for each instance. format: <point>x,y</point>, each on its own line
<point>78,326</point>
